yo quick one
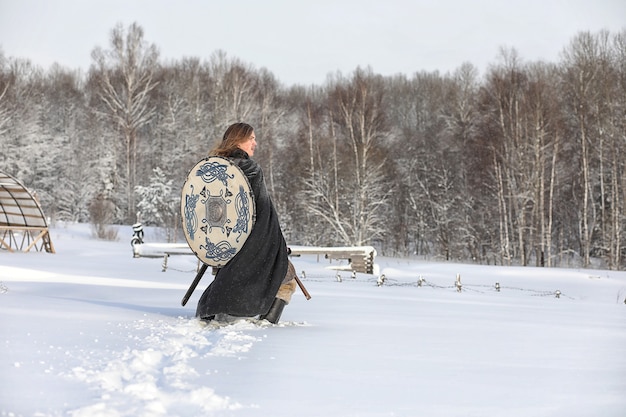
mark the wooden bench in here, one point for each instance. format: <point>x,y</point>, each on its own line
<point>160,250</point>
<point>360,258</point>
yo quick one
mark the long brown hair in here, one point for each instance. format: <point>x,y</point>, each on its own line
<point>234,135</point>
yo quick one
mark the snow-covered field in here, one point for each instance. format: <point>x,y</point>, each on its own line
<point>91,331</point>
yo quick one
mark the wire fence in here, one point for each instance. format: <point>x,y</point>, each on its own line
<point>456,285</point>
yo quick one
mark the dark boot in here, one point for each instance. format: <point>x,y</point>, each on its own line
<point>207,319</point>
<point>273,315</point>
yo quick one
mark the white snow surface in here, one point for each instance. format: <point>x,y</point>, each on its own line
<point>93,332</point>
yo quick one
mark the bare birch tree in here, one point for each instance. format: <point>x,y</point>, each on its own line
<point>581,81</point>
<point>359,120</point>
<point>125,74</point>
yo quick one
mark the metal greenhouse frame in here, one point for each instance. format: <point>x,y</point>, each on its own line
<point>23,225</point>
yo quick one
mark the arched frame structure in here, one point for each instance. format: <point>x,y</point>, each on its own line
<point>23,225</point>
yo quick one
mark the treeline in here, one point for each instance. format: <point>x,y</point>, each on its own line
<point>524,165</point>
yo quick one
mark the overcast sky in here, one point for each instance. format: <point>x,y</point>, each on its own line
<point>302,42</point>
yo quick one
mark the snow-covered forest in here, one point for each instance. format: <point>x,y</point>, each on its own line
<point>525,164</point>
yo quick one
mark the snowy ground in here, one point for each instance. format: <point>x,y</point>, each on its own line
<point>90,331</point>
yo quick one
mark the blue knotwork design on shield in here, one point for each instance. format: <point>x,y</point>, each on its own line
<point>191,220</point>
<point>219,252</point>
<point>242,206</point>
<point>212,171</point>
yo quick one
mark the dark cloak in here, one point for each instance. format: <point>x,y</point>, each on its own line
<point>247,285</point>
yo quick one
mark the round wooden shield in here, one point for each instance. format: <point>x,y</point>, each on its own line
<point>217,209</point>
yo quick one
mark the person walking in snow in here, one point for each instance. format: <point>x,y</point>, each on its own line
<point>259,280</point>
